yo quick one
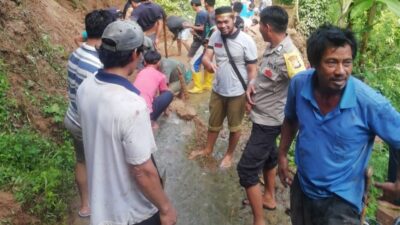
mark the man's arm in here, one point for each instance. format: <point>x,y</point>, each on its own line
<point>251,75</point>
<point>391,190</point>
<point>148,181</point>
<point>288,132</point>
<point>159,28</point>
<point>207,60</point>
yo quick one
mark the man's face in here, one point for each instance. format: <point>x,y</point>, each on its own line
<point>264,30</point>
<point>225,23</point>
<point>335,68</point>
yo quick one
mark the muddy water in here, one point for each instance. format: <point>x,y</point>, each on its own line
<point>202,193</point>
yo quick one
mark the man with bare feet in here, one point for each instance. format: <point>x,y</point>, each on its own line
<point>228,93</point>
<point>267,96</point>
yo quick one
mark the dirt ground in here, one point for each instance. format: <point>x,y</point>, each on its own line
<point>27,30</point>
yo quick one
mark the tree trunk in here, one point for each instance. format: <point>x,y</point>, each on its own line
<point>365,36</point>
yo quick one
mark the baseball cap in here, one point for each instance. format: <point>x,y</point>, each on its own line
<point>124,35</point>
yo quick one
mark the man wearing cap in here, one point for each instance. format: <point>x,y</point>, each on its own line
<point>267,95</point>
<point>228,93</point>
<point>84,62</point>
<point>150,17</point>
<point>124,184</point>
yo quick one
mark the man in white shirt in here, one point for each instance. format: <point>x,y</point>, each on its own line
<point>124,184</point>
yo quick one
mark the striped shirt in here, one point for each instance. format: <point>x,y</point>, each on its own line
<point>83,62</point>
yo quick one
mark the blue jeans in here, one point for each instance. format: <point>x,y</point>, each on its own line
<point>160,104</point>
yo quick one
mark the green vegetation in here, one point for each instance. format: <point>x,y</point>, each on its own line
<point>36,169</point>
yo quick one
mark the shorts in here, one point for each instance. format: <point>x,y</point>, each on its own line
<point>261,153</point>
<point>184,34</point>
<point>231,107</point>
<point>193,48</point>
<point>326,211</point>
<point>76,133</point>
<point>153,220</point>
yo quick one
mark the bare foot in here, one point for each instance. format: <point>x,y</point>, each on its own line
<point>226,162</point>
<point>195,154</point>
<point>269,202</point>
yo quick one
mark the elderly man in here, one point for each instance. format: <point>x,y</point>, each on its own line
<point>124,184</point>
<point>228,93</point>
<point>337,118</point>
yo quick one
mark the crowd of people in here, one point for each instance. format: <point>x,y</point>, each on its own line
<point>334,116</point>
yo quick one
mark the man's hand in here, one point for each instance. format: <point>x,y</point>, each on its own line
<point>168,216</point>
<point>283,170</point>
<point>391,191</point>
<point>211,68</point>
<point>251,90</point>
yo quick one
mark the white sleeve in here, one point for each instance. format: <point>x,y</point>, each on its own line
<point>250,50</point>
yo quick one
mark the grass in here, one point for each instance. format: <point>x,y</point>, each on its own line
<point>36,169</point>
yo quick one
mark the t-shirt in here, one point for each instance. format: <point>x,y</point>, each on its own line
<point>243,50</point>
<point>147,14</point>
<point>150,81</point>
<point>201,19</point>
<point>117,133</point>
<point>83,62</point>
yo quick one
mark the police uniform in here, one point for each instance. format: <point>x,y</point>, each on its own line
<point>276,67</point>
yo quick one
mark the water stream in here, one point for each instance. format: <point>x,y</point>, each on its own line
<point>202,193</point>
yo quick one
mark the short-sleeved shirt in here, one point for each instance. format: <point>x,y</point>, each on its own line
<point>169,67</point>
<point>83,62</point>
<point>200,20</point>
<point>150,81</point>
<point>243,51</point>
<point>332,150</point>
<point>271,85</point>
<point>116,132</point>
<point>147,14</point>
<point>210,24</point>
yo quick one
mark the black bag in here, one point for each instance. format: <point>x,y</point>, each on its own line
<point>233,64</point>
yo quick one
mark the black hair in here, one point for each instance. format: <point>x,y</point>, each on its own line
<point>126,7</point>
<point>96,21</point>
<point>152,57</point>
<point>111,59</point>
<point>210,2</point>
<point>222,10</point>
<point>327,36</point>
<point>237,7</point>
<point>276,17</point>
<point>195,4</point>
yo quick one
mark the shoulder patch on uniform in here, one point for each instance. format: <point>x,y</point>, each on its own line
<point>294,63</point>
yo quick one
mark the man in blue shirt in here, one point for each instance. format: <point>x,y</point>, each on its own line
<point>337,118</point>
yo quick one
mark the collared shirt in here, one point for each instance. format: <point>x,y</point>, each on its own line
<point>117,132</point>
<point>271,84</point>
<point>243,51</point>
<point>332,150</point>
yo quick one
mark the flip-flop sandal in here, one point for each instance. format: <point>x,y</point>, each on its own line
<point>83,214</point>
